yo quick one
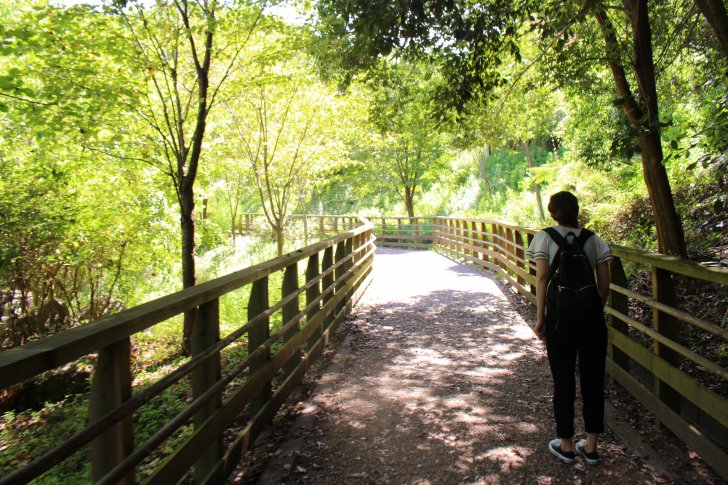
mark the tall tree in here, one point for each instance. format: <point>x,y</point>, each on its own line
<point>642,112</point>
<point>286,124</point>
<point>184,65</point>
<point>407,147</point>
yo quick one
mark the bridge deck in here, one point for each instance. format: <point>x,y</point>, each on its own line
<point>438,379</point>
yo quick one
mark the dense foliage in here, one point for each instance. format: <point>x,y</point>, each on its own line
<point>134,135</point>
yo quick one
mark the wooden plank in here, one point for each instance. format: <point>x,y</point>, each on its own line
<point>685,352</point>
<point>340,271</point>
<point>503,262</point>
<point>257,424</point>
<point>386,244</point>
<point>519,256</point>
<point>690,388</point>
<point>532,268</point>
<point>712,454</point>
<point>684,316</point>
<point>620,303</point>
<point>673,264</point>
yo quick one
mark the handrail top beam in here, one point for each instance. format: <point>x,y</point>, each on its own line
<point>675,264</point>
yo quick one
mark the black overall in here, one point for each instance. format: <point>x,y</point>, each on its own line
<point>588,343</point>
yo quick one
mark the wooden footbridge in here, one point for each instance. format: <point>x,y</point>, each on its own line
<point>296,301</point>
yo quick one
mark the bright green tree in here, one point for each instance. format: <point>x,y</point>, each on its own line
<point>184,51</point>
<point>405,150</point>
<point>288,128</point>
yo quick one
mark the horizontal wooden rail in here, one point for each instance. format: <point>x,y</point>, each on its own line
<point>331,286</point>
<point>668,390</point>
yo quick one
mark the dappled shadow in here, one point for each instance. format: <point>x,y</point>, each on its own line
<point>444,383</point>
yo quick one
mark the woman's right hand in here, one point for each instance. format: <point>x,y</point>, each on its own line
<point>540,330</point>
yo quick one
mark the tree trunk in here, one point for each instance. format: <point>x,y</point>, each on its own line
<point>409,195</point>
<point>187,181</point>
<point>314,203</point>
<point>189,277</point>
<point>483,169</point>
<point>670,236</point>
<point>536,187</point>
<point>715,13</point>
<point>278,231</point>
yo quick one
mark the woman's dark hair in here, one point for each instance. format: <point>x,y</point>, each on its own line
<point>564,208</point>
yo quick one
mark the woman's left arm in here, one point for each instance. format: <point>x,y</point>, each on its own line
<point>602,270</point>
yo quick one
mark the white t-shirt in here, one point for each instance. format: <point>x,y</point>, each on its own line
<point>543,247</point>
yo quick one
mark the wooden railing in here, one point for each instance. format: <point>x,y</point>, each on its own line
<point>337,271</point>
<point>648,358</point>
<point>315,225</point>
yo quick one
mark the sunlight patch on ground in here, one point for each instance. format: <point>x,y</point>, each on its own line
<point>508,457</point>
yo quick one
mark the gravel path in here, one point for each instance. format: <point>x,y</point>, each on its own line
<point>437,379</point>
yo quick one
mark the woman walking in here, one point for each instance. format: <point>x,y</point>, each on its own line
<point>572,334</point>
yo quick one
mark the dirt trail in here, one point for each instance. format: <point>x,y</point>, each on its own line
<point>437,379</point>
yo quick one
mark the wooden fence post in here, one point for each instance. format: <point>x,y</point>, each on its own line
<point>205,333</point>
<point>473,239</point>
<point>435,231</point>
<point>484,243</point>
<point>416,235</point>
<point>339,273</point>
<point>446,233</point>
<point>620,303</point>
<point>503,248</point>
<point>531,267</point>
<point>667,325</point>
<point>519,257</point>
<point>455,235</point>
<point>327,282</point>
<point>110,387</point>
<point>509,249</point>
<point>313,292</point>
<point>259,333</point>
<point>290,310</point>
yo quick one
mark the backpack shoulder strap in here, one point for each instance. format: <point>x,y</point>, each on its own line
<point>584,237</point>
<point>556,237</point>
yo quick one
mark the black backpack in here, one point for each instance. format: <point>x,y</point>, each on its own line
<point>571,293</point>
